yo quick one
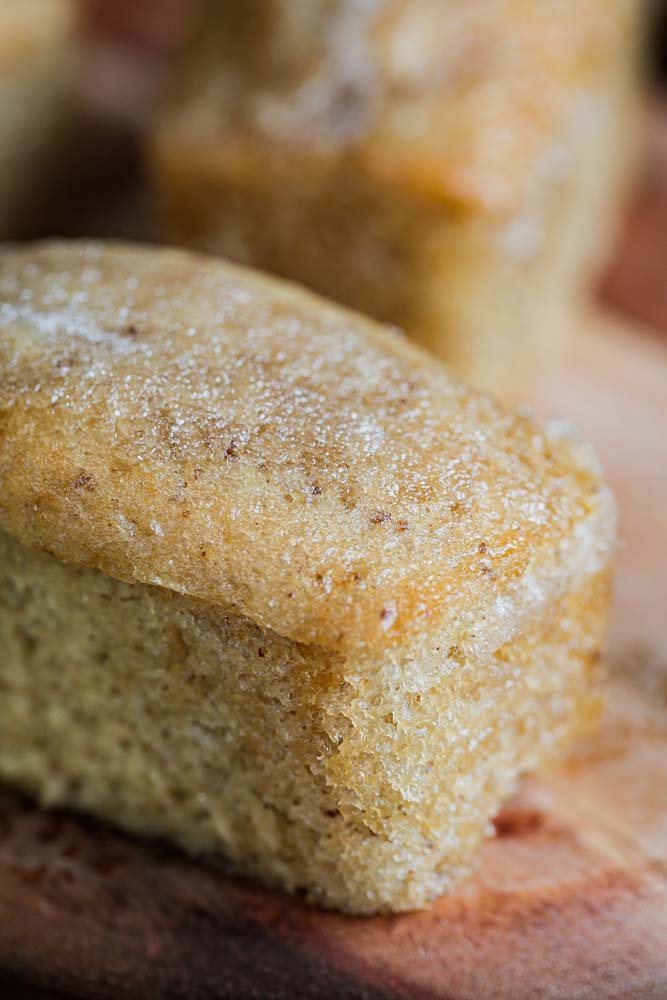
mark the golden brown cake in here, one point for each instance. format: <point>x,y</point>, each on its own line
<point>452,168</point>
<point>36,61</point>
<point>273,584</point>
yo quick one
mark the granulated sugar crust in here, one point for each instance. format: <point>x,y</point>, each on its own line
<point>174,420</point>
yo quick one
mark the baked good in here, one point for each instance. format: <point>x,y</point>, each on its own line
<point>452,168</point>
<point>273,584</point>
<point>36,65</point>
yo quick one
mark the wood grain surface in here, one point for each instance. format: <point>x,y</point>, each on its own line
<point>570,899</point>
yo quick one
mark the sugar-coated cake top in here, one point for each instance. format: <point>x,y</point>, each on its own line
<point>171,419</point>
<point>470,102</point>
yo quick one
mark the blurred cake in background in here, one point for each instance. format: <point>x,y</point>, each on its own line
<point>451,168</point>
<point>36,67</point>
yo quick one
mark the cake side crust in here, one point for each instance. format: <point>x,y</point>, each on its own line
<point>367,783</point>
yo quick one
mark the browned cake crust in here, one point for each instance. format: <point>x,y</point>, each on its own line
<point>174,421</point>
<point>273,583</point>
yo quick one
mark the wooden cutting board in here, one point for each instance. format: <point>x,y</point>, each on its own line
<point>570,899</point>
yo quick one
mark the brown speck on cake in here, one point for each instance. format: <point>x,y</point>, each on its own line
<point>379,517</point>
<point>388,616</point>
<point>83,482</point>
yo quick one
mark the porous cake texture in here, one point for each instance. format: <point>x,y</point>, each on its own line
<point>36,67</point>
<point>273,584</point>
<point>452,168</point>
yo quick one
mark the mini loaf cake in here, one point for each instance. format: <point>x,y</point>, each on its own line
<point>452,168</point>
<point>273,584</point>
<point>36,64</point>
